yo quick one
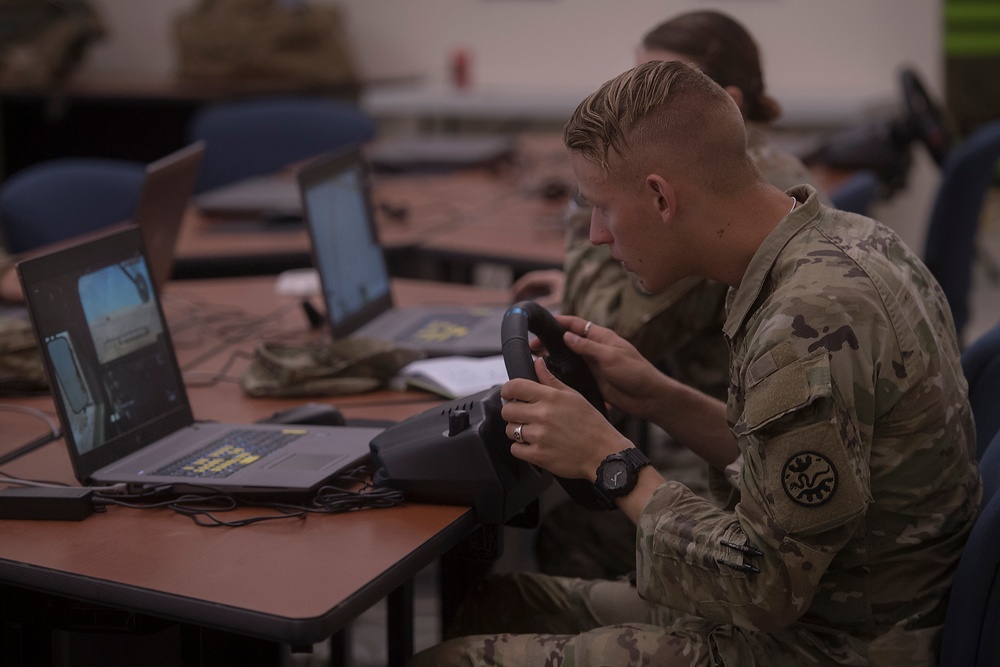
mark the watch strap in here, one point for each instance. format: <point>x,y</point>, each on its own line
<point>634,457</point>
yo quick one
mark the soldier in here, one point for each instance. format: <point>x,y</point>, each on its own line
<point>679,329</point>
<point>843,461</point>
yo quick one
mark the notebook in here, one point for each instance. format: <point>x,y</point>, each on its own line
<point>121,398</point>
<point>354,277</point>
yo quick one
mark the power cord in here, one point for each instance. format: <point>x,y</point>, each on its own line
<point>341,495</point>
<point>54,432</point>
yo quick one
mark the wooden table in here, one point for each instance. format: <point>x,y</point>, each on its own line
<point>291,582</point>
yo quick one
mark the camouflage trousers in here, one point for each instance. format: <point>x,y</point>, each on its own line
<point>529,619</point>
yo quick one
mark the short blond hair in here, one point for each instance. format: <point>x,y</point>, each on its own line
<point>663,115</point>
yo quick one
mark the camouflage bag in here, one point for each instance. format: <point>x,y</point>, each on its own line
<point>21,368</point>
<point>264,39</point>
<point>349,366</point>
<point>41,40</point>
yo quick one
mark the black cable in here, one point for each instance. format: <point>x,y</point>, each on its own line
<point>218,376</point>
<point>246,330</point>
<point>53,434</point>
<point>28,447</point>
<point>332,498</point>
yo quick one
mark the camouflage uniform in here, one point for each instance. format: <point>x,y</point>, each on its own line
<point>838,528</point>
<point>679,330</point>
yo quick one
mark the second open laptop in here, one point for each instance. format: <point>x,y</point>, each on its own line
<point>120,395</point>
<point>165,195</point>
<point>354,276</point>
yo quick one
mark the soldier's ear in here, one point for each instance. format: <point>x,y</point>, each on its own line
<point>662,196</point>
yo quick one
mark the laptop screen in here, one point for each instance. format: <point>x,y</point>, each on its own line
<point>106,347</point>
<point>164,198</point>
<point>346,251</point>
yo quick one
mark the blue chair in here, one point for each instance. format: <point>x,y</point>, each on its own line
<point>981,366</point>
<point>261,136</point>
<point>62,198</point>
<point>857,193</point>
<point>989,466</point>
<point>950,246</point>
<point>971,636</point>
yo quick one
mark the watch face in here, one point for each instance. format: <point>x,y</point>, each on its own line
<point>614,474</point>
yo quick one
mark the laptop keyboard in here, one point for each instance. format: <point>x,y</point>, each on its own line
<point>440,328</point>
<point>231,452</point>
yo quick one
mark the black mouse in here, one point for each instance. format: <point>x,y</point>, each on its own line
<point>313,414</point>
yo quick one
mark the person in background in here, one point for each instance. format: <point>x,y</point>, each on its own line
<point>844,476</point>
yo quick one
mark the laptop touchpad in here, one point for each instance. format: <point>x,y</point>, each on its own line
<point>306,462</point>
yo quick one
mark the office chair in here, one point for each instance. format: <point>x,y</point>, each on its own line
<point>262,136</point>
<point>989,467</point>
<point>62,198</point>
<point>857,193</point>
<point>981,366</point>
<point>949,249</point>
<point>970,637</point>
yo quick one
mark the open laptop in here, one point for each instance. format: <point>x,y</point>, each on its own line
<point>120,395</point>
<point>163,200</point>
<point>165,195</point>
<point>354,277</point>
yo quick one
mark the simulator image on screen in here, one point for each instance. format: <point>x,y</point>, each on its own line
<point>116,375</point>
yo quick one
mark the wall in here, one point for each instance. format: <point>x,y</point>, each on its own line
<point>818,53</point>
<point>837,48</point>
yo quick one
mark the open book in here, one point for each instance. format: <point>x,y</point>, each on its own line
<point>454,377</point>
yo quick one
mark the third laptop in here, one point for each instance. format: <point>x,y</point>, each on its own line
<point>354,277</point>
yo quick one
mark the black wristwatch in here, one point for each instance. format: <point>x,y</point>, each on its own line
<point>618,473</point>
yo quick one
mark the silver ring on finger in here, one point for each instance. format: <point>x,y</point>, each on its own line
<point>586,328</point>
<point>517,433</point>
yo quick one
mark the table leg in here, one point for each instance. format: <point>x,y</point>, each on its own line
<point>399,611</point>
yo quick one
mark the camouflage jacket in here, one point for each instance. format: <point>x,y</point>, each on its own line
<point>680,329</point>
<point>856,484</point>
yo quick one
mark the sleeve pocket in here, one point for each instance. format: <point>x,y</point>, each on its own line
<point>786,390</point>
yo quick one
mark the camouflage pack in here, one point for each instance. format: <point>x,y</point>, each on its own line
<point>349,366</point>
<point>21,368</point>
<point>264,39</point>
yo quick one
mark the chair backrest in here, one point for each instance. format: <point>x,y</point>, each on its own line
<point>857,193</point>
<point>260,136</point>
<point>971,636</point>
<point>949,249</point>
<point>58,199</point>
<point>989,466</point>
<point>981,366</point>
